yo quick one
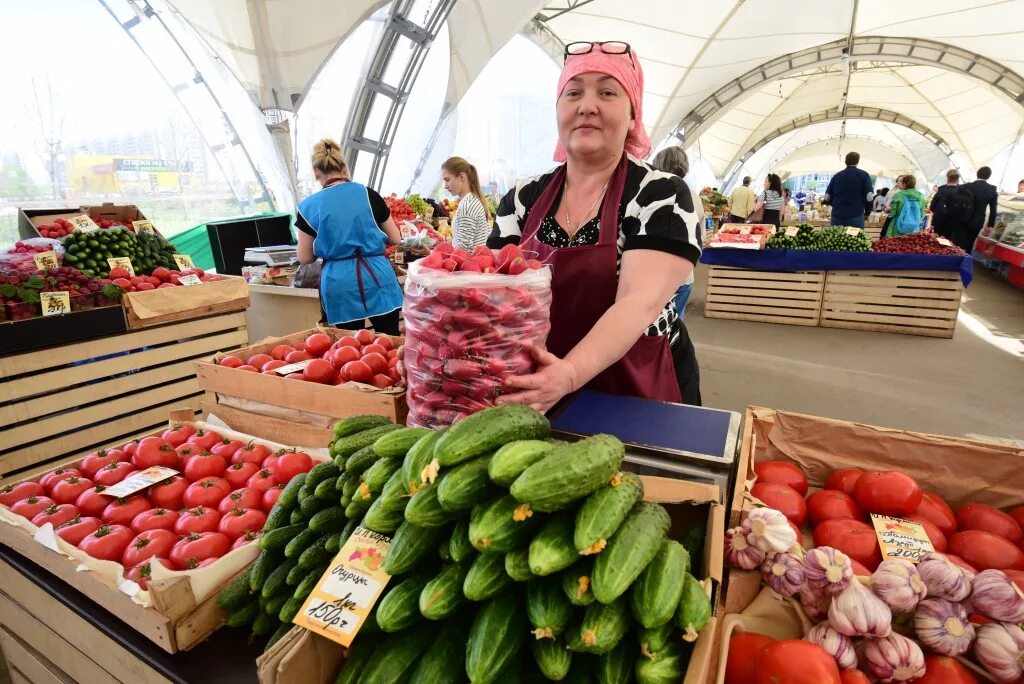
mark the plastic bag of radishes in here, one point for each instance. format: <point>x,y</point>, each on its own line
<point>466,330</point>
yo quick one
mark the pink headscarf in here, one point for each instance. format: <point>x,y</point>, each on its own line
<point>626,70</point>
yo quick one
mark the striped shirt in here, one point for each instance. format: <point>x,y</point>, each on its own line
<point>772,200</point>
<point>469,225</point>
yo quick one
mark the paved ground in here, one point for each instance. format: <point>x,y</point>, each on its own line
<point>971,384</point>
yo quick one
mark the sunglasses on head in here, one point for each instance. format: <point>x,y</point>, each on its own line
<point>613,47</point>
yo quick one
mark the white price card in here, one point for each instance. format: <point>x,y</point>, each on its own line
<point>84,223</point>
<point>791,231</point>
<point>122,262</point>
<point>745,230</point>
<point>139,481</point>
<point>899,538</point>
<point>55,303</point>
<point>853,232</point>
<point>144,226</point>
<point>184,261</point>
<point>189,279</point>
<point>293,367</point>
<point>944,242</point>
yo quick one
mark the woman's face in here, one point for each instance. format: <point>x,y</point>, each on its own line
<point>593,114</point>
<point>455,184</point>
<point>767,184</point>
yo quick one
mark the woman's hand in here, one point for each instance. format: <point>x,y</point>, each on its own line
<point>553,379</point>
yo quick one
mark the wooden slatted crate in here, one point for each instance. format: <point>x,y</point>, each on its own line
<point>59,402</point>
<point>793,298</point>
<point>907,302</point>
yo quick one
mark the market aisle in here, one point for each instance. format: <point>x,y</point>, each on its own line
<point>970,384</point>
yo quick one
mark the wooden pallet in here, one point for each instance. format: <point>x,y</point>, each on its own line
<point>907,302</point>
<point>792,298</point>
<point>67,400</point>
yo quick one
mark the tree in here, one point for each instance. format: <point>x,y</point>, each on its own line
<point>48,118</point>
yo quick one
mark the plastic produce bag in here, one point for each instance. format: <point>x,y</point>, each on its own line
<point>20,256</point>
<point>465,333</point>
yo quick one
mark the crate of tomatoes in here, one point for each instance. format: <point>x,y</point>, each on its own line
<point>299,385</point>
<point>161,523</point>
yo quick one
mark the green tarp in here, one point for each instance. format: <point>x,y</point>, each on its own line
<point>196,241</point>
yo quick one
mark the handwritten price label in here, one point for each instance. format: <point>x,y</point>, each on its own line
<point>343,598</point>
<point>139,481</point>
<point>853,232</point>
<point>944,242</point>
<point>745,230</point>
<point>84,223</point>
<point>189,279</point>
<point>143,226</point>
<point>45,260</point>
<point>122,262</point>
<point>55,303</point>
<point>792,231</point>
<point>184,261</point>
<point>899,538</point>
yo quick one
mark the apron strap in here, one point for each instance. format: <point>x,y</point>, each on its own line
<point>361,263</point>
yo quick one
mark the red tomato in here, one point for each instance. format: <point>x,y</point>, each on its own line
<point>239,473</point>
<point>123,511</point>
<point>53,477</point>
<point>96,460</point>
<point>289,464</point>
<point>319,371</point>
<point>207,492</point>
<point>261,481</point>
<point>240,498</point>
<point>141,573</point>
<point>297,356</point>
<point>378,363</point>
<point>168,493</point>
<point>205,439</point>
<point>238,521</point>
<point>248,369</point>
<point>945,670</point>
<point>153,451</point>
<point>77,529</point>
<point>935,535</point>
<point>227,447</point>
<point>245,539</point>
<point>782,498</point>
<point>67,491</point>
<point>859,569</point>
<point>853,537</point>
<point>961,562</point>
<point>231,362</point>
<point>294,376</point>
<point>795,661</point>
<point>205,465</point>
<point>257,360</point>
<point>1017,577</point>
<point>114,473</point>
<point>30,507</point>
<point>198,519</point>
<point>176,435</point>
<point>251,453</point>
<point>280,351</point>
<point>832,504</point>
<point>154,519</point>
<point>270,366</point>
<point>854,677</point>
<point>782,472</point>
<point>934,508</point>
<point>317,344</point>
<point>743,650</point>
<point>186,451</point>
<point>384,341</point>
<point>985,550</point>
<point>357,371</point>
<point>108,542</point>
<point>339,356</point>
<point>271,496</point>
<point>979,516</point>
<point>888,493</point>
<point>13,493</point>
<point>374,349</point>
<point>192,550</point>
<point>381,381</point>
<point>365,337</point>
<point>270,462</point>
<point>92,502</point>
<point>349,341</point>
<point>56,515</point>
<point>148,544</point>
<point>844,479</point>
<point>1018,515</point>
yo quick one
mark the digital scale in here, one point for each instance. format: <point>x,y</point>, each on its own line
<point>277,255</point>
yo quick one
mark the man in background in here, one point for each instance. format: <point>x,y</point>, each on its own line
<point>951,207</point>
<point>801,199</point>
<point>849,192</point>
<point>741,202</point>
<point>985,195</point>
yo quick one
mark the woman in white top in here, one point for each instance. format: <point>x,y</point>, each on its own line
<point>674,160</point>
<point>771,200</point>
<point>472,221</point>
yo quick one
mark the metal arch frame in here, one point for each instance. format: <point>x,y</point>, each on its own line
<point>374,87</point>
<point>557,9</point>
<point>833,114</point>
<point>871,48</point>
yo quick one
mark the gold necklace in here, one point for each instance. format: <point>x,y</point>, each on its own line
<point>568,220</point>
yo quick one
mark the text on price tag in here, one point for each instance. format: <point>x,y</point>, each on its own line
<point>345,595</point>
<point>791,231</point>
<point>853,232</point>
<point>45,260</point>
<point>122,262</point>
<point>144,226</point>
<point>141,480</point>
<point>55,303</point>
<point>189,279</point>
<point>84,223</point>
<point>899,538</point>
<point>745,230</point>
<point>944,242</point>
<point>293,367</point>
<point>184,261</point>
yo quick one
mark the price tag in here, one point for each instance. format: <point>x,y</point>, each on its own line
<point>345,595</point>
<point>122,262</point>
<point>791,231</point>
<point>942,241</point>
<point>189,279</point>
<point>745,230</point>
<point>184,261</point>
<point>143,226</point>
<point>853,232</point>
<point>399,257</point>
<point>292,367</point>
<point>45,260</point>
<point>139,481</point>
<point>899,538</point>
<point>84,223</point>
<point>55,303</point>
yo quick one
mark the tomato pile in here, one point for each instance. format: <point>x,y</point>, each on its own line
<point>363,357</point>
<point>218,503</point>
<point>58,229</point>
<point>400,209</point>
<point>467,331</point>
<point>916,243</point>
<point>161,278</point>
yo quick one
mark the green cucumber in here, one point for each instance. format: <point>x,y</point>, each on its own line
<point>377,475</point>
<point>495,638</point>
<point>517,565</point>
<point>603,512</point>
<point>547,607</point>
<point>306,492</point>
<point>328,520</point>
<point>320,472</point>
<point>410,544</point>
<point>350,486</point>
<point>300,542</point>
<point>425,510</point>
<point>387,511</point>
<point>616,666</point>
<point>358,508</point>
<point>240,617</point>
<point>444,551</point>
<point>576,583</point>
<point>552,549</point>
<point>295,576</point>
<point>236,592</point>
<point>654,639</point>
<point>397,654</point>
<point>511,460</point>
<point>466,485</point>
<point>659,589</point>
<point>486,577</point>
<point>261,569</point>
<point>442,595</point>
<point>345,447</point>
<point>274,604</point>
<point>326,490</point>
<point>445,661</point>
<point>313,504</point>
<point>459,546</point>
<point>416,459</point>
<point>489,429</point>
<point>602,628</point>
<point>493,527</point>
<point>339,484</point>
<point>264,623</point>
<point>355,424</point>
<point>298,517</point>
<point>694,610</point>
<point>630,549</point>
<point>289,498</point>
<point>355,661</point>
<point>668,666</point>
<point>693,541</point>
<point>569,473</point>
<point>552,657</point>
<point>309,582</point>
<point>315,554</point>
<point>276,519</point>
<point>400,608</point>
<point>290,609</point>
<point>399,442</point>
<point>361,460</point>
<point>276,581</point>
<point>334,542</point>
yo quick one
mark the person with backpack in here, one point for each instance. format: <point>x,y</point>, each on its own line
<point>951,207</point>
<point>907,210</point>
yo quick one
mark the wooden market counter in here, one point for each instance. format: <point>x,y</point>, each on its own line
<point>51,633</point>
<point>279,310</point>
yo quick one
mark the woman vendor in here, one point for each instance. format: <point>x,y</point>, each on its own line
<point>620,237</point>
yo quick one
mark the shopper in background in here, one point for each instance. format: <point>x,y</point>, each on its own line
<point>472,222</point>
<point>951,207</point>
<point>908,208</point>
<point>1020,187</point>
<point>985,195</point>
<point>771,200</point>
<point>741,202</point>
<point>801,199</point>
<point>674,160</point>
<point>848,192</point>
<point>786,197</point>
<point>347,225</point>
<point>881,200</point>
<point>888,204</point>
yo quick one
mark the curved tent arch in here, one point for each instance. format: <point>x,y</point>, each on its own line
<point>876,157</point>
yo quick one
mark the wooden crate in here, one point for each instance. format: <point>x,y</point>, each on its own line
<point>793,298</point>
<point>171,305</point>
<point>66,400</point>
<point>873,229</point>
<point>907,302</point>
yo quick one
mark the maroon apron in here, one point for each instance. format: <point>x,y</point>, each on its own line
<point>584,284</point>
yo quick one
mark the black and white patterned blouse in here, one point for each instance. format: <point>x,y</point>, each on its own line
<point>656,213</point>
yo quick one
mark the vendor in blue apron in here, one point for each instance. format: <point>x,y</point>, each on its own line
<point>348,225</point>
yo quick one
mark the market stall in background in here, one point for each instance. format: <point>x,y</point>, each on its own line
<point>1002,248</point>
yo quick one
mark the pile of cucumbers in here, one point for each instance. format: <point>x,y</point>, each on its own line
<point>514,558</point>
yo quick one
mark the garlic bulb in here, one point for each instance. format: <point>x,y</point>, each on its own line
<point>894,658</point>
<point>739,552</point>
<point>858,612</point>
<point>994,595</point>
<point>943,578</point>
<point>1000,650</point>
<point>828,569</point>
<point>814,603</point>
<point>897,582</point>
<point>943,626</point>
<point>783,573</point>
<point>769,530</point>
<point>839,646</point>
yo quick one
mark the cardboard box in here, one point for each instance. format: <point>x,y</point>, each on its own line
<point>29,219</point>
<point>122,213</point>
<point>302,657</point>
<point>171,304</point>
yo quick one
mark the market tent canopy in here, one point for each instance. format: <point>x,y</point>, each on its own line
<point>827,155</point>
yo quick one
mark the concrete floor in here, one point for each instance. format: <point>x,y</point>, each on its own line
<point>972,384</point>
